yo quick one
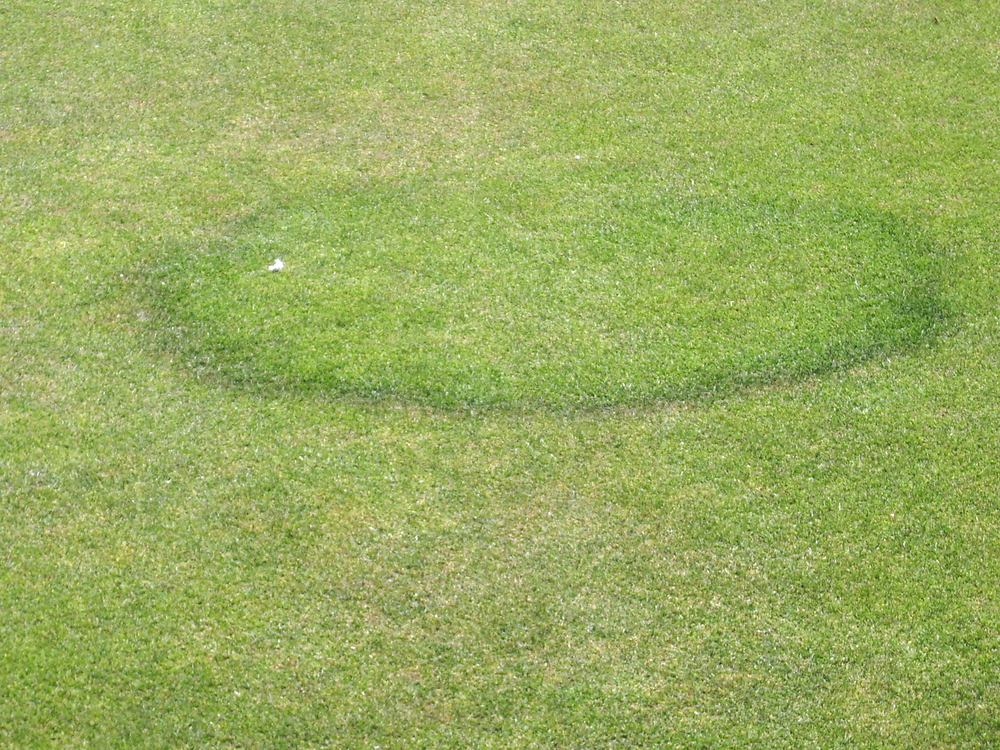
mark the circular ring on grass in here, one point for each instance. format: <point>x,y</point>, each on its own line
<point>462,300</point>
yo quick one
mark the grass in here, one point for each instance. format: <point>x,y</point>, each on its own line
<point>629,384</point>
<point>700,299</point>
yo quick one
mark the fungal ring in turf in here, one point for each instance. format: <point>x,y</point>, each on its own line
<point>686,299</point>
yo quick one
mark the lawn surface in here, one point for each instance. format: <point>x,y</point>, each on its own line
<point>630,382</point>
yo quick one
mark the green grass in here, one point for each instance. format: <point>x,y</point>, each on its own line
<point>630,382</point>
<point>698,299</point>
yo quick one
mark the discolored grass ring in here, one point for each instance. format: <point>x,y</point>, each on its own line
<point>603,298</point>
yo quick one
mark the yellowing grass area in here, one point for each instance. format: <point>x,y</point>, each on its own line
<point>628,381</point>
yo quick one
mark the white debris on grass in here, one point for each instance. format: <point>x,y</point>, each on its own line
<point>276,266</point>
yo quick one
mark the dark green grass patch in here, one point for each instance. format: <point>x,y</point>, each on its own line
<point>576,289</point>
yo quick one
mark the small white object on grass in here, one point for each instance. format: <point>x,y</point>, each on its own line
<point>276,266</point>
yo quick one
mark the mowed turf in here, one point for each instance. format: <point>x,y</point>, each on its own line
<point>500,214</point>
<point>615,294</point>
<point>629,382</point>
